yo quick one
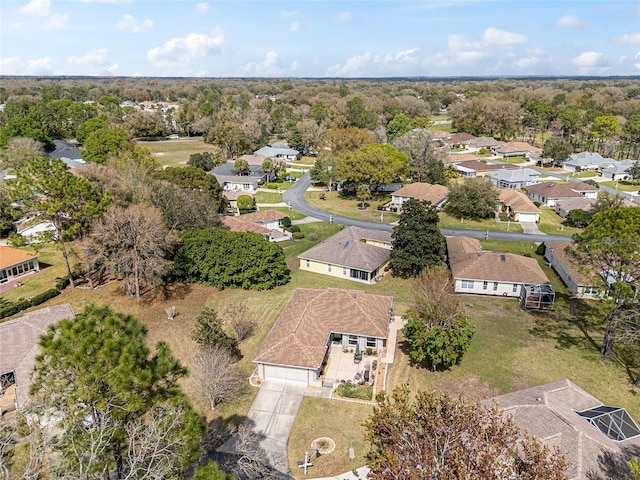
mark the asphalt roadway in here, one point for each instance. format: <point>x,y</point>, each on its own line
<point>294,197</point>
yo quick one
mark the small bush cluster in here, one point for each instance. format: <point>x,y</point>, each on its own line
<point>350,390</point>
<point>272,186</point>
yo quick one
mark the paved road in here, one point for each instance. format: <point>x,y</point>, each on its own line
<point>294,197</point>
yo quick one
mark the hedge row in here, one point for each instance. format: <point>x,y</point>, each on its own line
<point>20,305</point>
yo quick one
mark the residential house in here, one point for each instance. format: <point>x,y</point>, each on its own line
<point>514,179</point>
<point>267,223</point>
<point>565,205</point>
<point>354,253</point>
<point>579,283</point>
<point>518,206</point>
<point>580,162</point>
<point>232,197</point>
<point>514,149</point>
<point>33,229</point>
<point>617,170</point>
<point>15,264</point>
<point>460,140</point>
<point>278,150</point>
<point>312,322</point>
<point>483,142</point>
<point>68,153</point>
<point>436,194</point>
<point>231,179</point>
<point>475,168</point>
<point>597,440</point>
<point>19,346</point>
<point>457,157</point>
<point>548,193</point>
<point>254,159</point>
<point>490,273</point>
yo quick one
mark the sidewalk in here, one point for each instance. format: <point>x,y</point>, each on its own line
<point>362,475</point>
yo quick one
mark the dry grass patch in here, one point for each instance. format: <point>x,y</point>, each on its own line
<point>175,153</point>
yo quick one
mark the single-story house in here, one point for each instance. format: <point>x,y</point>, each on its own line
<point>254,159</point>
<point>312,321</point>
<point>265,222</point>
<point>565,205</point>
<point>513,149</point>
<point>483,142</point>
<point>597,440</point>
<point>354,253</point>
<point>68,153</point>
<point>547,193</point>
<point>476,168</point>
<point>16,263</point>
<point>436,194</point>
<point>32,228</point>
<point>232,197</point>
<point>618,170</point>
<point>456,157</point>
<point>514,179</point>
<point>518,206</point>
<point>459,140</point>
<point>278,150</point>
<point>579,283</point>
<point>231,179</point>
<point>19,347</point>
<point>585,161</point>
<point>490,273</point>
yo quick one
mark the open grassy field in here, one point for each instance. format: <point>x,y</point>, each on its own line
<point>623,185</point>
<point>551,223</point>
<point>587,174</point>
<point>447,221</point>
<point>175,153</point>
<point>348,207</point>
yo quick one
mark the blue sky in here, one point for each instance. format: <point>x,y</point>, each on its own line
<point>319,38</point>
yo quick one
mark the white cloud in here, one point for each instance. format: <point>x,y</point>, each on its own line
<point>17,25</point>
<point>344,16</point>
<point>182,50</point>
<point>270,67</point>
<point>57,21</point>
<point>526,62</point>
<point>571,21</point>
<point>129,23</point>
<point>377,65</point>
<point>494,36</point>
<point>294,26</point>
<point>629,38</point>
<point>105,1</point>
<point>202,8</point>
<point>36,7</point>
<point>287,14</point>
<point>590,60</point>
<point>93,58</point>
<point>15,66</point>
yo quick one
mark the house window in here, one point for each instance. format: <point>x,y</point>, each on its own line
<point>590,290</point>
<point>353,340</point>
<point>308,263</point>
<point>246,186</point>
<point>359,274</point>
<point>467,284</point>
<point>371,342</point>
<point>485,285</point>
<point>495,286</point>
<point>344,270</point>
<point>514,289</point>
<point>329,266</point>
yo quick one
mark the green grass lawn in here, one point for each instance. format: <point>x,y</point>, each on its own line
<point>447,221</point>
<point>623,185</point>
<point>268,197</point>
<point>175,153</point>
<point>551,223</point>
<point>348,207</point>
<point>442,128</point>
<point>515,159</point>
<point>51,270</point>
<point>585,174</point>
<point>292,214</point>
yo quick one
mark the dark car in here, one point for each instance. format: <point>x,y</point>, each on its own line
<point>289,178</point>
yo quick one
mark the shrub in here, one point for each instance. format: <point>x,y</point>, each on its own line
<point>350,390</point>
<point>380,397</point>
<point>246,202</point>
<point>298,235</point>
<point>294,228</point>
<point>272,186</point>
<point>286,222</point>
<point>44,296</point>
<point>313,236</point>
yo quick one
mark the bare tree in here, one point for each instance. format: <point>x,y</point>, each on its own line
<point>216,375</point>
<point>252,462</point>
<point>240,319</point>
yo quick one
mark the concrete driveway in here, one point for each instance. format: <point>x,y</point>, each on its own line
<point>272,415</point>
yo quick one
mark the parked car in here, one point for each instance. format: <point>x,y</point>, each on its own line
<point>289,178</point>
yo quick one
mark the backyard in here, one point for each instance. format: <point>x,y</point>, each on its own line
<point>551,223</point>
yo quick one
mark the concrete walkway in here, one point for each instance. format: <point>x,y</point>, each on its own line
<point>362,475</point>
<point>397,324</point>
<point>271,416</point>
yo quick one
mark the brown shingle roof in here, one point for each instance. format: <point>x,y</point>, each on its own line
<point>560,190</point>
<point>10,256</point>
<point>468,261</point>
<point>423,191</point>
<point>346,249</point>
<point>549,413</point>
<point>519,147</point>
<point>254,159</point>
<point>19,344</point>
<point>461,137</point>
<point>572,268</point>
<point>299,336</point>
<point>517,201</point>
<point>263,216</point>
<point>235,224</point>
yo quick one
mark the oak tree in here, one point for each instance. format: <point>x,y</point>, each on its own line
<point>473,198</point>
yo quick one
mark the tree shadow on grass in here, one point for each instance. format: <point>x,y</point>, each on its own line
<point>166,292</point>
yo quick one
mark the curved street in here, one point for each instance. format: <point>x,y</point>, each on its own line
<point>294,197</point>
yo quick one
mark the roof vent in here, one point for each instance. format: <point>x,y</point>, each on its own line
<point>346,244</point>
<point>503,258</point>
<point>354,295</point>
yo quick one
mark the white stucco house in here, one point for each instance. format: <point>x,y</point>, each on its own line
<point>514,179</point>
<point>618,170</point>
<point>279,151</point>
<point>548,193</point>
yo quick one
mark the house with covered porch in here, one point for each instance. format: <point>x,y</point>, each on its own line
<point>314,322</point>
<point>15,264</point>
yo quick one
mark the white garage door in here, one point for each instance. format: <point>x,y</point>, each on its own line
<point>527,217</point>
<point>285,373</point>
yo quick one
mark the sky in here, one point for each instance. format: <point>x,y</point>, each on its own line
<point>319,38</point>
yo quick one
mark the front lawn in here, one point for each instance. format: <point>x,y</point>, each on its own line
<point>586,174</point>
<point>175,153</point>
<point>349,207</point>
<point>516,159</point>
<point>268,197</point>
<point>447,221</point>
<point>551,223</point>
<point>623,185</point>
<point>292,214</point>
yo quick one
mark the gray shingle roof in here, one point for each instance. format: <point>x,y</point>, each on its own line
<point>63,149</point>
<point>519,175</point>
